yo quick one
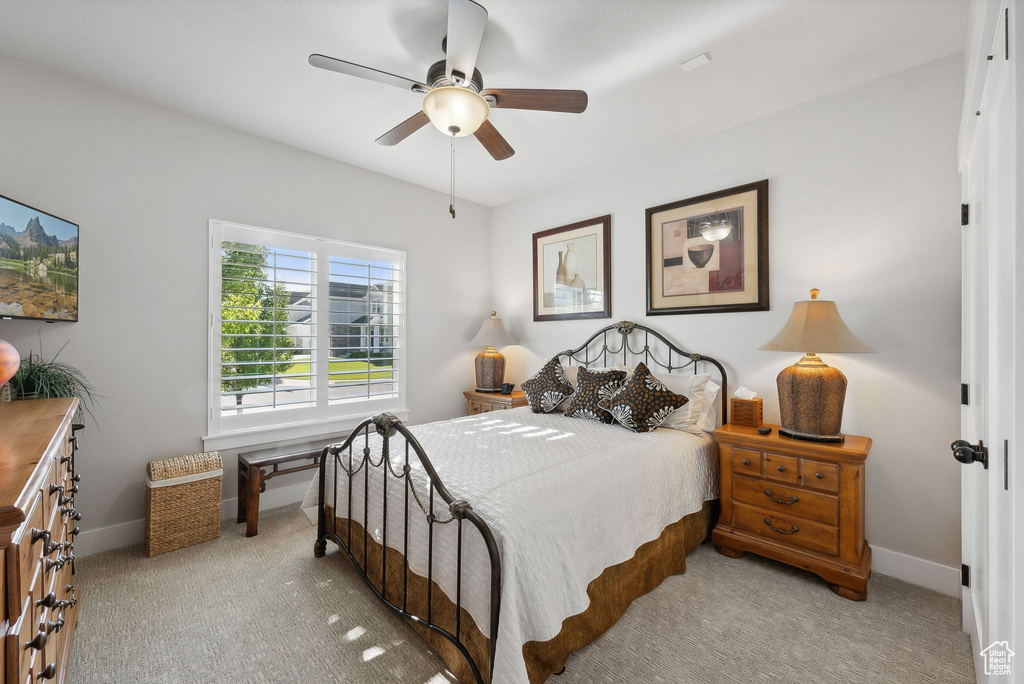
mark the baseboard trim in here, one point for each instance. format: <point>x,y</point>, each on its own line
<point>123,534</point>
<point>923,573</point>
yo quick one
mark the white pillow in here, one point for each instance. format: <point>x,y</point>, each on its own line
<point>708,420</point>
<point>693,387</point>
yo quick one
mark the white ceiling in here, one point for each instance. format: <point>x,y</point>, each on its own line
<point>242,63</point>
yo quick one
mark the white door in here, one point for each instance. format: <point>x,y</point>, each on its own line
<point>989,268</point>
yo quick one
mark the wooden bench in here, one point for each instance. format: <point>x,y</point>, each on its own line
<point>252,479</point>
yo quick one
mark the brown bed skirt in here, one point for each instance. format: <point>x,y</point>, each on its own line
<point>610,595</point>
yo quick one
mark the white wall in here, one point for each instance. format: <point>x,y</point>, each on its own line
<point>863,204</point>
<point>142,181</point>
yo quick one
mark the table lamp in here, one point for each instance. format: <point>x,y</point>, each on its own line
<point>490,364</point>
<point>812,393</point>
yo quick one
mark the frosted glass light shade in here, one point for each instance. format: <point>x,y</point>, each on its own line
<point>455,111</point>
<point>493,334</point>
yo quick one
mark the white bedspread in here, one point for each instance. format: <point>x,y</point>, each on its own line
<point>565,498</point>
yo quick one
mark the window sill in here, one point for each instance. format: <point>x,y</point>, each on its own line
<point>332,429</point>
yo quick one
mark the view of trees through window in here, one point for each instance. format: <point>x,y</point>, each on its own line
<point>270,346</point>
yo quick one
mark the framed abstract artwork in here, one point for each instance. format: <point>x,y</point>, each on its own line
<point>709,254</point>
<point>572,271</point>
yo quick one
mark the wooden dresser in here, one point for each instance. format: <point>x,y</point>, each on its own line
<point>38,525</point>
<point>798,502</point>
<point>484,402</point>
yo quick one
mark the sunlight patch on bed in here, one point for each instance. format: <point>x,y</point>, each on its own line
<point>334,618</point>
<point>371,653</point>
<point>545,431</point>
<point>561,436</point>
<point>517,430</point>
<point>437,679</point>
<point>354,633</point>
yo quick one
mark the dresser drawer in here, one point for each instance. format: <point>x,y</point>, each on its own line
<point>746,462</point>
<point>28,553</point>
<point>823,476</point>
<point>797,502</point>
<point>782,468</point>
<point>16,653</point>
<point>806,534</point>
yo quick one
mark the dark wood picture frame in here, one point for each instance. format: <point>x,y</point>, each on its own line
<point>762,303</point>
<point>605,231</point>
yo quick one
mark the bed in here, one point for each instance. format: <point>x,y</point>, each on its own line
<point>523,536</point>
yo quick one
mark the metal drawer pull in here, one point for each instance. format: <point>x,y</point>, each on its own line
<point>782,469</point>
<point>48,601</point>
<point>793,530</point>
<point>39,641</point>
<point>746,461</point>
<point>819,476</point>
<point>38,534</point>
<point>49,672</point>
<point>792,499</point>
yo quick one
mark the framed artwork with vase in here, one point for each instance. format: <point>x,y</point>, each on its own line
<point>709,254</point>
<point>572,271</point>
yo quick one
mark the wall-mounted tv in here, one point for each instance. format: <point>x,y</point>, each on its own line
<point>38,264</point>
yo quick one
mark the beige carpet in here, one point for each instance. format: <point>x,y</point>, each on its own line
<point>264,610</point>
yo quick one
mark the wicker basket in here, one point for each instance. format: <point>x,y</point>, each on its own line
<point>182,501</point>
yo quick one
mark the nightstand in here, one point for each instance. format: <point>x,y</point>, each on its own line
<point>485,402</point>
<point>799,502</point>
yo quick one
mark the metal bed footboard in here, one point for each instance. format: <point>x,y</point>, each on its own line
<point>388,426</point>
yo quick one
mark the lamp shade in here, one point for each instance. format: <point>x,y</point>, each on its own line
<point>455,111</point>
<point>816,326</point>
<point>493,334</point>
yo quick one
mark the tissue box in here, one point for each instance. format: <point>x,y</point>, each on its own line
<point>748,412</point>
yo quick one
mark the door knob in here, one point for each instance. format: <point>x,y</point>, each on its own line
<point>968,453</point>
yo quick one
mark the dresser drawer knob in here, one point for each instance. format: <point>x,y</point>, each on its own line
<point>49,672</point>
<point>74,531</point>
<point>40,534</point>
<point>820,476</point>
<point>48,601</point>
<point>746,461</point>
<point>78,478</point>
<point>55,488</point>
<point>782,469</point>
<point>39,642</point>
<point>793,530</point>
<point>65,459</point>
<point>792,500</point>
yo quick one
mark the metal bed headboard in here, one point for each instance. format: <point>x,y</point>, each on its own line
<point>596,350</point>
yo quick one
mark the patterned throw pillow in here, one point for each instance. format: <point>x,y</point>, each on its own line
<point>592,387</point>
<point>643,403</point>
<point>547,388</point>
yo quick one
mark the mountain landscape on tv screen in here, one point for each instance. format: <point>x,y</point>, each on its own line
<point>38,264</point>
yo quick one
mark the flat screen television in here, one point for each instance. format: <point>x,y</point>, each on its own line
<point>38,264</point>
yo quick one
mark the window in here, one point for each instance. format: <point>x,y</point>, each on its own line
<point>302,329</point>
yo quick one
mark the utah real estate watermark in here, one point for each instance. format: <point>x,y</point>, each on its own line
<point>997,658</point>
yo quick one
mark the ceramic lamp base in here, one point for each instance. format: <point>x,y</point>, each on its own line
<point>811,398</point>
<point>490,370</point>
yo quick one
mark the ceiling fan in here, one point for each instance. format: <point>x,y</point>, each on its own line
<point>453,96</point>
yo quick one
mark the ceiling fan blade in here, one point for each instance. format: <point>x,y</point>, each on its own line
<point>492,141</point>
<point>404,129</point>
<point>466,22</point>
<point>569,101</point>
<point>359,71</point>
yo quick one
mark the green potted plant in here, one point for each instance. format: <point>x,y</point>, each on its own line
<point>38,378</point>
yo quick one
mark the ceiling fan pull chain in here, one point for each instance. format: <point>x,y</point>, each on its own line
<point>451,204</point>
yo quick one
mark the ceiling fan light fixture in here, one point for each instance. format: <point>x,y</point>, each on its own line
<point>455,111</point>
